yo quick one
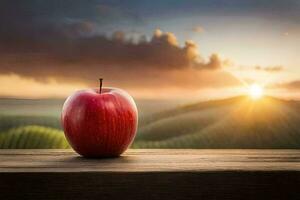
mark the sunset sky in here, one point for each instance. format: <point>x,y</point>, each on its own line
<point>153,49</point>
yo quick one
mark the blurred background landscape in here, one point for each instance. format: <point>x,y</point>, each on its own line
<point>237,122</point>
<point>204,74</point>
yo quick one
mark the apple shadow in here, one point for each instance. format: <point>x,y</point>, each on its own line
<point>122,158</point>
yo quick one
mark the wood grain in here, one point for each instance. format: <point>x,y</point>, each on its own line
<point>151,174</point>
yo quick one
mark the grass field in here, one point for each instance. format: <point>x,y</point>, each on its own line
<point>33,137</point>
<point>237,122</point>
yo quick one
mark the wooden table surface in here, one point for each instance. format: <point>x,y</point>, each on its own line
<point>151,161</point>
<point>151,174</point>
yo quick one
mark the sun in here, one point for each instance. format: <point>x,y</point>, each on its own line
<point>256,91</point>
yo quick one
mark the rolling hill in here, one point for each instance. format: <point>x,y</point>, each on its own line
<point>237,122</point>
<point>33,137</point>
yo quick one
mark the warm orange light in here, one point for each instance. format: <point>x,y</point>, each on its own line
<point>256,91</point>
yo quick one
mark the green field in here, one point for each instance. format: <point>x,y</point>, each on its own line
<point>237,122</point>
<point>33,137</point>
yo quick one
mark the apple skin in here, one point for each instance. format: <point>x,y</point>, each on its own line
<point>100,125</point>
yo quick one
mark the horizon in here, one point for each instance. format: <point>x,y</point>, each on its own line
<point>178,101</point>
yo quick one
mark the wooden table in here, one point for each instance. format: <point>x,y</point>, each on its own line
<point>151,174</point>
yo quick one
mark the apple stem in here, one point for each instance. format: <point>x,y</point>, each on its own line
<point>100,87</point>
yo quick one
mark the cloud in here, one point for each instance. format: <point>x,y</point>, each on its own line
<point>39,43</point>
<point>198,29</point>
<point>292,85</point>
<point>214,62</point>
<point>75,52</point>
<point>277,68</point>
<point>77,28</point>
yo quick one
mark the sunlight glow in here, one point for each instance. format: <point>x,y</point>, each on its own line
<point>256,91</point>
<point>21,87</point>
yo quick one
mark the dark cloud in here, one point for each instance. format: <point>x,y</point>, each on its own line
<point>61,40</point>
<point>277,68</point>
<point>41,18</point>
<point>73,48</point>
<point>78,28</point>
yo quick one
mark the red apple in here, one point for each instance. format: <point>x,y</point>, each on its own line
<point>100,122</point>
